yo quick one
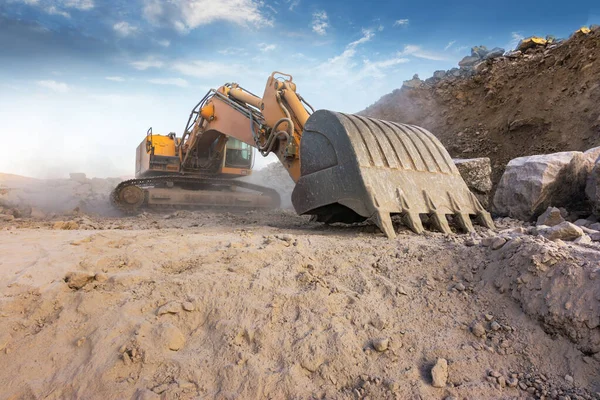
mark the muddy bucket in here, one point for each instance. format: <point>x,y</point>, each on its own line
<point>355,168</point>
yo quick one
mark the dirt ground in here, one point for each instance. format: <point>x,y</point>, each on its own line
<point>267,305</point>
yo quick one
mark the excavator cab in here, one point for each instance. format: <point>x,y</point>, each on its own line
<point>239,157</point>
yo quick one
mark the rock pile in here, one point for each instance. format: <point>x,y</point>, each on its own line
<point>540,98</point>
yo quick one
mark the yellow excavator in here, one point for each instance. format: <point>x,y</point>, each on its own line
<point>347,168</point>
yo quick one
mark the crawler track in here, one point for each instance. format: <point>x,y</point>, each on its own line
<point>145,183</point>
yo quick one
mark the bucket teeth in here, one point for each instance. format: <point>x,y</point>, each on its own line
<point>384,222</point>
<point>464,222</point>
<point>485,219</point>
<point>440,222</point>
<point>413,221</point>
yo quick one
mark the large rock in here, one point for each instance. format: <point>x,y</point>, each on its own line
<point>529,185</point>
<point>571,192</point>
<point>468,61</point>
<point>592,188</point>
<point>495,53</point>
<point>477,173</point>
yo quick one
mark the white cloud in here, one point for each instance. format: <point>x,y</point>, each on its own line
<point>83,5</point>
<point>149,62</point>
<point>52,10</point>
<point>185,15</point>
<point>263,47</point>
<point>450,44</point>
<point>115,78</point>
<point>380,28</point>
<point>124,29</point>
<point>209,69</point>
<point>320,23</point>
<point>230,51</point>
<point>402,22</point>
<point>59,87</point>
<point>376,69</point>
<point>164,43</point>
<point>293,4</point>
<point>170,81</point>
<point>367,36</point>
<point>417,51</point>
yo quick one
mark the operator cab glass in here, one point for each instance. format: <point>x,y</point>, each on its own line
<point>238,154</point>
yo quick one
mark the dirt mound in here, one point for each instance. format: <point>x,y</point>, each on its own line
<point>39,198</point>
<point>270,305</point>
<point>543,100</point>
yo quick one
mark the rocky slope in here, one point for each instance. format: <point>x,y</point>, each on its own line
<point>542,100</point>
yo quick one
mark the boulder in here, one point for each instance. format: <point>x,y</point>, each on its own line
<point>592,188</point>
<point>531,42</point>
<point>479,51</point>
<point>476,173</point>
<point>468,61</point>
<point>494,53</point>
<point>528,185</point>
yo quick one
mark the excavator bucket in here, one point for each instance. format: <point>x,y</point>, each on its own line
<point>355,168</point>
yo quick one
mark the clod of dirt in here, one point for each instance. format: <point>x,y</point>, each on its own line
<point>439,373</point>
<point>381,344</point>
<point>171,337</point>
<point>188,306</point>
<point>172,307</point>
<point>76,280</point>
<point>477,329</point>
<point>66,225</point>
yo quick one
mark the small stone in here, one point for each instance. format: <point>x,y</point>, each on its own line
<point>439,373</point>
<point>581,222</point>
<point>584,239</point>
<point>80,342</point>
<point>76,280</point>
<point>550,217</point>
<point>498,243</point>
<point>460,286</point>
<point>563,231</point>
<point>188,306</point>
<point>495,374</point>
<point>172,307</point>
<point>488,317</point>
<point>502,381</point>
<point>495,326</point>
<point>101,277</point>
<point>477,329</point>
<point>512,382</point>
<point>569,379</point>
<point>381,344</point>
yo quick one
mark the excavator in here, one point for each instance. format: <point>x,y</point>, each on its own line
<point>346,168</point>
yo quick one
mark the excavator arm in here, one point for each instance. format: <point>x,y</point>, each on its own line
<point>347,168</point>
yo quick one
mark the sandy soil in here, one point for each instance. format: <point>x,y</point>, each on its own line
<point>268,305</point>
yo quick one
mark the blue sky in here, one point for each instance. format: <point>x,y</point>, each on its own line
<point>82,80</point>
